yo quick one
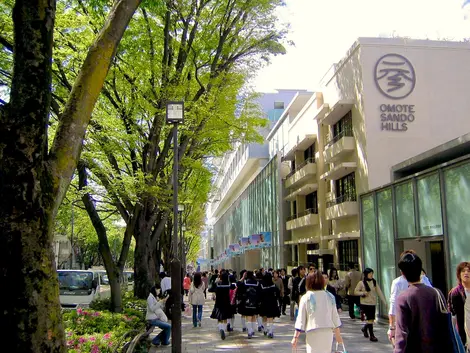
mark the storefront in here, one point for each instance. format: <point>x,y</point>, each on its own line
<point>428,212</point>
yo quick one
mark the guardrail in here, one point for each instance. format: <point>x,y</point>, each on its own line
<point>340,199</point>
<point>300,166</point>
<point>303,213</point>
<point>336,138</point>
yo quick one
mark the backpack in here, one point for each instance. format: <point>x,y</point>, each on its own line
<point>251,296</point>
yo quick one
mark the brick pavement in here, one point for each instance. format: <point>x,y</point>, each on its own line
<point>207,339</point>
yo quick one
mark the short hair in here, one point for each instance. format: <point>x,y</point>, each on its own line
<point>410,265</point>
<point>409,251</point>
<point>294,272</point>
<point>460,267</point>
<point>300,268</point>
<point>352,265</point>
<point>315,281</point>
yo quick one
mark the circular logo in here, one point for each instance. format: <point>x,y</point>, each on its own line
<point>394,76</point>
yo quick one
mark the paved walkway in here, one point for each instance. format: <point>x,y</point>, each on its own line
<point>207,339</point>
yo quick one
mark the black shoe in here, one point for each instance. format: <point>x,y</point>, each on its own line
<point>364,331</point>
<point>371,333</point>
<point>244,329</point>
<point>260,328</point>
<point>222,334</point>
<point>373,338</point>
<point>353,317</point>
<point>284,313</point>
<point>270,335</point>
<point>228,327</point>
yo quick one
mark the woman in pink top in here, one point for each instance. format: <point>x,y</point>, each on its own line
<point>186,284</point>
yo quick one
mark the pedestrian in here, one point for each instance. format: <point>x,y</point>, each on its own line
<point>269,304</point>
<point>368,290</point>
<point>165,284</point>
<point>222,309</point>
<point>294,294</point>
<point>353,277</point>
<point>457,298</point>
<point>238,298</point>
<point>196,298</point>
<point>205,280</point>
<point>187,284</point>
<point>399,285</point>
<point>259,277</point>
<point>277,280</point>
<point>285,281</point>
<point>249,292</point>
<point>155,316</point>
<point>233,302</point>
<point>332,290</point>
<point>317,317</point>
<point>421,326</point>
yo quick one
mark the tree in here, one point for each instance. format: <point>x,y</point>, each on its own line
<point>33,178</point>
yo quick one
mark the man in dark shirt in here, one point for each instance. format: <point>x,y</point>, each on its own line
<point>421,327</point>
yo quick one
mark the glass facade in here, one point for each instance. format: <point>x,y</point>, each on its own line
<point>428,213</point>
<point>255,211</point>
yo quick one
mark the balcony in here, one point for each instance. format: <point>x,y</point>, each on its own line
<point>342,206</point>
<point>338,111</point>
<point>307,218</point>
<point>339,146</point>
<point>304,171</point>
<point>340,170</point>
<point>303,190</point>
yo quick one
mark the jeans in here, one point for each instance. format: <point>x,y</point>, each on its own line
<point>164,336</point>
<point>197,314</point>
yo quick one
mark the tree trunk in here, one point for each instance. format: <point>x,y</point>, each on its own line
<point>112,270</point>
<point>30,319</point>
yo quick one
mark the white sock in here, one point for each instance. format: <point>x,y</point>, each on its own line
<point>260,321</point>
<point>271,327</point>
<point>250,326</point>
<point>221,326</point>
<point>243,322</point>
<point>232,322</point>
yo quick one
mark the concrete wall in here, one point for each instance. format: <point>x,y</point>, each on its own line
<point>440,98</point>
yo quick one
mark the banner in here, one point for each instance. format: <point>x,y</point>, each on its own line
<point>244,243</point>
<point>253,241</point>
<point>266,240</point>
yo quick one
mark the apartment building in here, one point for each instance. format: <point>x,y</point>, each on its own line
<point>386,101</point>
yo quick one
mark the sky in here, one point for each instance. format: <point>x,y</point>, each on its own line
<point>324,30</point>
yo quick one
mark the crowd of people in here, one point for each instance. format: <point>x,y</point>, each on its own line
<point>418,312</point>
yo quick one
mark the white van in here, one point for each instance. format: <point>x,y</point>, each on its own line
<point>129,279</point>
<point>78,288</point>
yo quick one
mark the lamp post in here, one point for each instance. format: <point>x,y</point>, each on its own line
<point>175,115</point>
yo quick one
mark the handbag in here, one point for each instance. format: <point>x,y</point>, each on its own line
<point>456,344</point>
<point>343,350</point>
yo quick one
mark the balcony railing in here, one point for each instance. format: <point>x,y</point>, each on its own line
<point>336,138</point>
<point>343,198</point>
<point>301,165</point>
<point>303,213</point>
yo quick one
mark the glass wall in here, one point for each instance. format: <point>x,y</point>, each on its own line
<point>405,209</point>
<point>418,213</point>
<point>457,187</point>
<point>387,273</point>
<point>255,211</point>
<point>429,205</point>
<point>369,239</point>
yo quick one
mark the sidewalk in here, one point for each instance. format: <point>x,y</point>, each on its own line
<point>206,339</point>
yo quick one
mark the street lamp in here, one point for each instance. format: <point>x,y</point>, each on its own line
<point>180,213</point>
<point>175,115</point>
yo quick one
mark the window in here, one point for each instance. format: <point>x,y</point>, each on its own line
<point>346,188</point>
<point>429,205</point>
<point>278,105</point>
<point>292,166</point>
<point>457,186</point>
<point>311,202</point>
<point>369,232</point>
<point>405,208</point>
<point>348,251</point>
<point>294,207</point>
<point>342,128</point>
<point>309,153</point>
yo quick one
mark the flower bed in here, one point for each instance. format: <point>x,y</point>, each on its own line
<point>90,331</point>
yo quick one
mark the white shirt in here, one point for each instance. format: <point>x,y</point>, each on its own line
<point>165,284</point>
<point>155,310</point>
<point>317,309</point>
<point>399,285</point>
